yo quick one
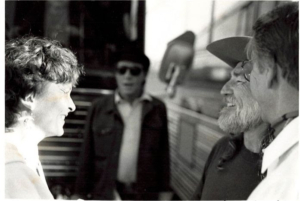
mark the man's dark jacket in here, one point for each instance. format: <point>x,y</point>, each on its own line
<point>102,141</point>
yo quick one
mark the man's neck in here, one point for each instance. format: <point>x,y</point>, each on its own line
<point>253,137</point>
<point>285,100</point>
<point>282,121</point>
<point>131,98</point>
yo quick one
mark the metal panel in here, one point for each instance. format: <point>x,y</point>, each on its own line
<point>187,164</point>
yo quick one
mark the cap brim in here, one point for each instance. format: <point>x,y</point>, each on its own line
<point>231,50</point>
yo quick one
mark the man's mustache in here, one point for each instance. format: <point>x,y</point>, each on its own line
<point>230,99</point>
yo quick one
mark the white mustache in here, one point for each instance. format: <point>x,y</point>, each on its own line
<point>230,101</point>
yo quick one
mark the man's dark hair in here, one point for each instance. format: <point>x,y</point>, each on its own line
<point>276,35</point>
<point>134,56</point>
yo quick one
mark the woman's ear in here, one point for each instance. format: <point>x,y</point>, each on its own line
<point>28,102</point>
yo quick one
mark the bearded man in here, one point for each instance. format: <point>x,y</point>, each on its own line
<point>232,169</point>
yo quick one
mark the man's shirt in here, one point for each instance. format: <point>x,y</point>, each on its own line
<point>131,115</point>
<point>236,179</point>
<point>281,160</point>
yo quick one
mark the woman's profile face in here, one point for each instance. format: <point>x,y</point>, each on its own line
<point>52,105</point>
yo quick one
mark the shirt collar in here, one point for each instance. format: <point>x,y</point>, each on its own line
<point>288,137</point>
<point>144,96</point>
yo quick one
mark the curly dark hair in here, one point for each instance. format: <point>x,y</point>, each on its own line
<point>29,63</point>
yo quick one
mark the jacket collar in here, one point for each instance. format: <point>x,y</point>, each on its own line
<point>143,97</point>
<point>112,108</point>
<point>147,107</point>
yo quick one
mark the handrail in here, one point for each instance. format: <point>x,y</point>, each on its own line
<point>60,167</point>
<point>60,174</point>
<point>57,158</point>
<point>51,148</point>
<point>92,91</point>
<point>74,121</point>
<point>177,108</point>
<point>61,139</point>
<point>83,103</point>
<point>71,130</point>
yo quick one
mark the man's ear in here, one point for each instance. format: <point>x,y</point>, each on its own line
<point>272,73</point>
<point>28,102</point>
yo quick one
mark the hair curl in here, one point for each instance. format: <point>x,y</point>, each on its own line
<point>29,63</point>
<point>276,35</point>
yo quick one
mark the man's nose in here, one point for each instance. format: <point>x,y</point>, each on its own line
<point>127,73</point>
<point>226,89</point>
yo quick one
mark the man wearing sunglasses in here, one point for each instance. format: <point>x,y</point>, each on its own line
<point>274,82</point>
<point>232,169</point>
<point>126,147</point>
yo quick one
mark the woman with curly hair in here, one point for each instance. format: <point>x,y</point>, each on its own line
<point>39,76</point>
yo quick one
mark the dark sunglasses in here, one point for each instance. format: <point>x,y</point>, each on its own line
<point>247,69</point>
<point>135,71</point>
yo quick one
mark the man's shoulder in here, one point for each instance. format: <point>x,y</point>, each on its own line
<point>226,142</point>
<point>156,101</point>
<point>221,145</point>
<point>103,100</point>
<point>222,141</point>
<point>217,150</point>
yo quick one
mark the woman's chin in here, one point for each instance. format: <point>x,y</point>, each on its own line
<point>58,133</point>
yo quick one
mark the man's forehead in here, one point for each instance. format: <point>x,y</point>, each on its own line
<point>129,63</point>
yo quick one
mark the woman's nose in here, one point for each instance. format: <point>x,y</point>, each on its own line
<point>72,106</point>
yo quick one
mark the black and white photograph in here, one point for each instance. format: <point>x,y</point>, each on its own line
<point>150,100</point>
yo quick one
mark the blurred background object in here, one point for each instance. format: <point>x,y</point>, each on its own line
<point>177,61</point>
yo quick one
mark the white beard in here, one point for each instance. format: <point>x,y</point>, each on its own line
<point>242,119</point>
